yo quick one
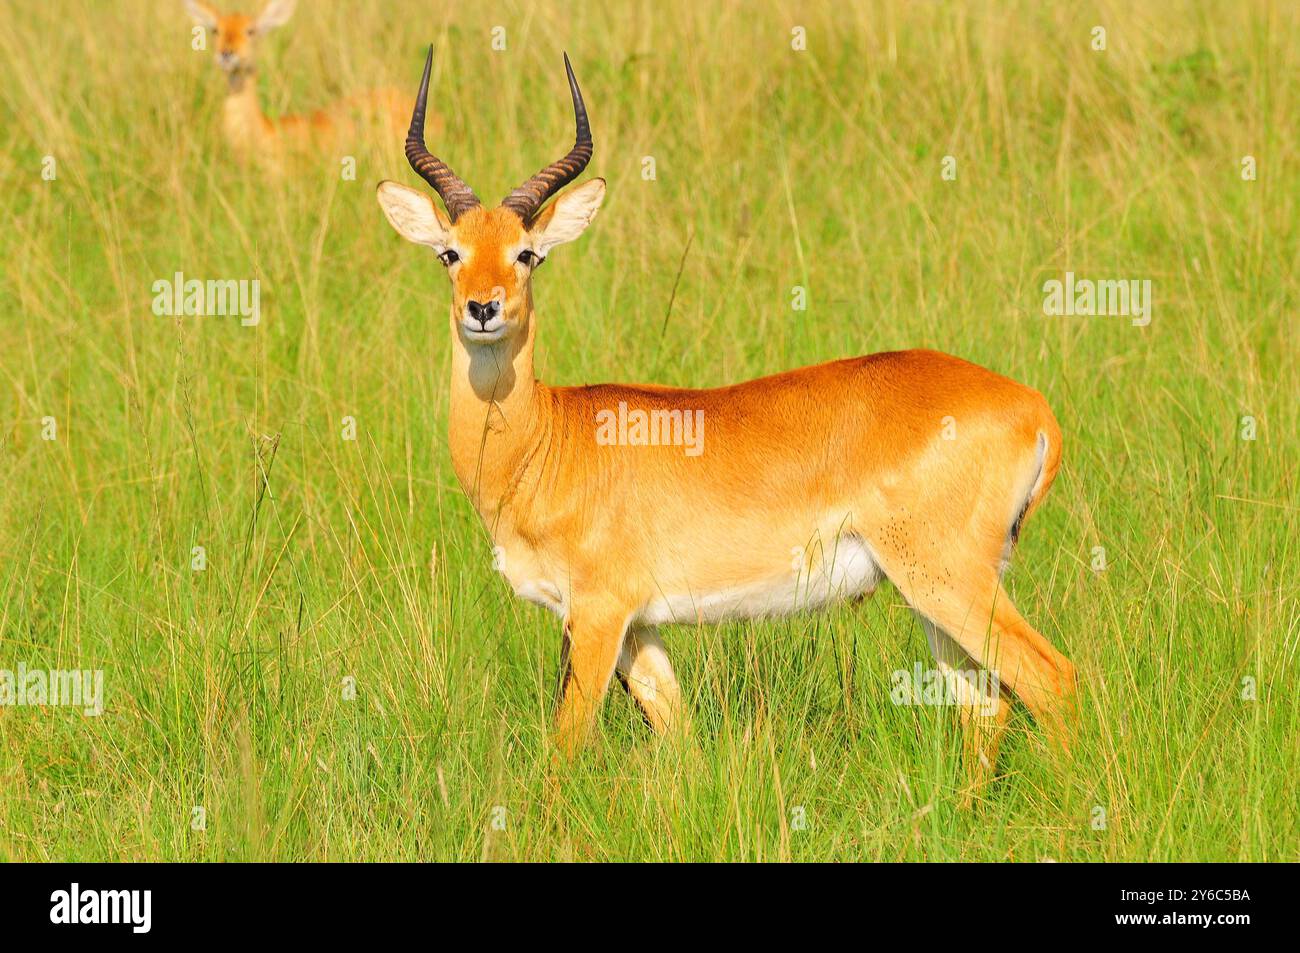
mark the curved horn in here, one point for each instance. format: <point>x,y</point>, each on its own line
<point>526,200</point>
<point>456,195</point>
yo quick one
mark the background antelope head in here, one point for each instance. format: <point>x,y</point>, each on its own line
<point>491,254</point>
<point>235,35</point>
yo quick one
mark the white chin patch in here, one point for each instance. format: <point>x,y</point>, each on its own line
<point>480,335</point>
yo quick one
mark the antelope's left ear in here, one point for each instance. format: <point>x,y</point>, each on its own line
<point>568,216</point>
<point>276,13</point>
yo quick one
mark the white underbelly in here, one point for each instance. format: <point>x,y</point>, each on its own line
<point>851,570</point>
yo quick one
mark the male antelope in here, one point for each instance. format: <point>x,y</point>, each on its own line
<point>248,131</point>
<point>844,465</point>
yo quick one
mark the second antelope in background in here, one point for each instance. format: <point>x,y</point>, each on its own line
<point>801,488</point>
<point>247,130</point>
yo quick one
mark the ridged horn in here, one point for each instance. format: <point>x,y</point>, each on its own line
<point>456,195</point>
<point>528,199</point>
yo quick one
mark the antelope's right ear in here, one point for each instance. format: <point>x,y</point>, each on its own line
<point>414,216</point>
<point>202,14</point>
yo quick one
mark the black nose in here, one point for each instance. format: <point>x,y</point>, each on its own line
<point>483,311</point>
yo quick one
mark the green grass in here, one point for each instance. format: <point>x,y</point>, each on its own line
<point>820,168</point>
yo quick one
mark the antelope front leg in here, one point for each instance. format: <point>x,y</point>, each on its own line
<point>648,676</point>
<point>593,639</point>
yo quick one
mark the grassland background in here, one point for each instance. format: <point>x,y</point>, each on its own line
<point>818,168</point>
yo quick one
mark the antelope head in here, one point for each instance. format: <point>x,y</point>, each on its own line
<point>491,254</point>
<point>235,35</point>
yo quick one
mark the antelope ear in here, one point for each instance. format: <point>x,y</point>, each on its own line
<point>414,216</point>
<point>568,216</point>
<point>202,14</point>
<point>276,13</point>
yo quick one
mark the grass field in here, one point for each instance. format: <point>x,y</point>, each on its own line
<point>330,559</point>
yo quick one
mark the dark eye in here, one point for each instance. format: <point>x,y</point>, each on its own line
<point>526,257</point>
<point>449,257</point>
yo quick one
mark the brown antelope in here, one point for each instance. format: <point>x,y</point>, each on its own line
<point>248,131</point>
<point>812,485</point>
